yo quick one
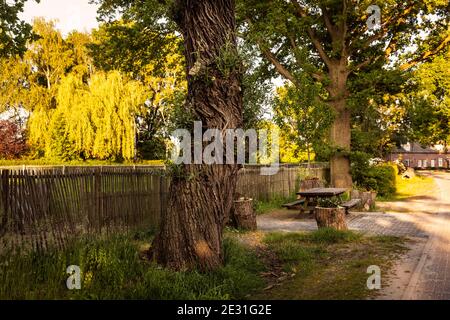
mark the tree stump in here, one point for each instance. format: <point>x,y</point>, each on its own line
<point>244,214</point>
<point>367,199</point>
<point>330,218</point>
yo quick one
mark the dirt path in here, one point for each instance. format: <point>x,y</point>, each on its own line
<point>431,277</point>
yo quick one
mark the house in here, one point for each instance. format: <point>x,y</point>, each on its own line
<point>415,156</point>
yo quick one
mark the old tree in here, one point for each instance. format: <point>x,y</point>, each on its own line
<point>335,42</point>
<point>201,196</point>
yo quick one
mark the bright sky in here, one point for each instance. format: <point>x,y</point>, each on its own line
<point>71,14</point>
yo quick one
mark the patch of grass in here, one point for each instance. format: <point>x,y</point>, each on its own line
<point>331,236</point>
<point>416,186</point>
<point>329,264</point>
<point>263,207</point>
<point>113,269</point>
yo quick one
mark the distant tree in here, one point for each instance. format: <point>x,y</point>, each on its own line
<point>153,58</point>
<point>12,140</point>
<point>379,111</point>
<point>143,42</point>
<point>14,33</point>
<point>336,42</point>
<point>429,102</point>
<point>90,121</point>
<point>302,117</point>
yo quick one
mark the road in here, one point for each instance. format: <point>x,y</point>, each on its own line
<point>431,276</point>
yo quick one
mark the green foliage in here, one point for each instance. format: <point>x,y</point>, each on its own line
<point>156,60</point>
<point>380,178</point>
<point>379,112</point>
<point>229,60</point>
<point>365,70</point>
<point>113,269</point>
<point>262,207</point>
<point>94,121</point>
<point>14,33</point>
<point>304,119</point>
<point>81,112</point>
<point>329,236</point>
<point>333,202</point>
<point>429,101</point>
<point>304,249</point>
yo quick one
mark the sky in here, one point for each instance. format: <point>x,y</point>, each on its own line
<point>71,14</point>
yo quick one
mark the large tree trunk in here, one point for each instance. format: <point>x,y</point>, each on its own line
<point>201,196</point>
<point>340,163</point>
<point>340,133</point>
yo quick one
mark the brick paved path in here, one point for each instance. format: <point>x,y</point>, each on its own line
<point>398,224</point>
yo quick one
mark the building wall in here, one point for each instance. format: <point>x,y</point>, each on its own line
<point>422,160</point>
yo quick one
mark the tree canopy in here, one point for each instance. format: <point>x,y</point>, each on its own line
<point>14,33</point>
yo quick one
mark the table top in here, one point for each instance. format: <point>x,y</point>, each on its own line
<point>322,192</point>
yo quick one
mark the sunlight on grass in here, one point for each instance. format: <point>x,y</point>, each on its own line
<point>329,264</point>
<point>416,186</point>
<point>263,207</point>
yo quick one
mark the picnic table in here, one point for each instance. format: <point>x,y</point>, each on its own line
<point>311,197</point>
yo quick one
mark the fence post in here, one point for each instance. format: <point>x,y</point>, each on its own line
<point>5,197</point>
<point>162,197</point>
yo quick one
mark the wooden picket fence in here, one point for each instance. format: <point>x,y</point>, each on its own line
<point>47,207</point>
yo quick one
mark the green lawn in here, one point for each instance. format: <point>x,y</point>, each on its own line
<point>329,265</point>
<point>117,269</point>
<point>263,207</point>
<point>418,185</point>
<point>321,265</point>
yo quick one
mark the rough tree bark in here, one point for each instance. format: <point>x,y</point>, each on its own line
<point>244,214</point>
<point>201,196</point>
<point>330,218</point>
<point>340,133</point>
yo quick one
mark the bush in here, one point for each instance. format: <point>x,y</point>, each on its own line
<point>12,141</point>
<point>380,178</point>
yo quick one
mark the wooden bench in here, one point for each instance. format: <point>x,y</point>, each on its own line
<point>350,204</point>
<point>294,205</point>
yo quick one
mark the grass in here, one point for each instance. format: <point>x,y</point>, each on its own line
<point>416,186</point>
<point>263,207</point>
<point>113,269</point>
<point>329,264</point>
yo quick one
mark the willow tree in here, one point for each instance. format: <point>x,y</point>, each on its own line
<point>201,195</point>
<point>155,59</point>
<point>90,121</point>
<point>334,42</point>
